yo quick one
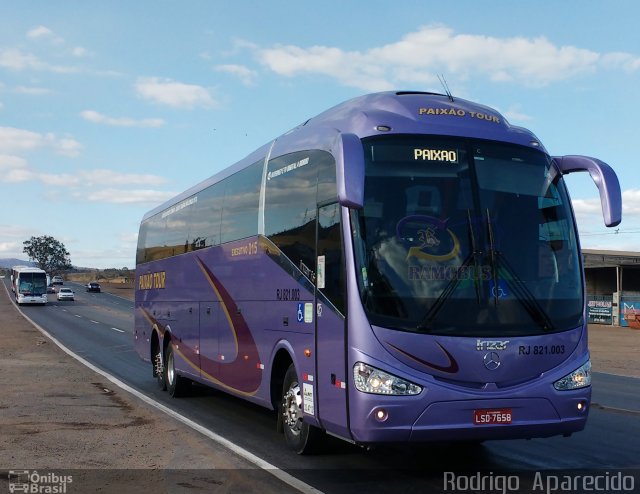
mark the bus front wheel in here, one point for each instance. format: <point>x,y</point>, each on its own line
<point>299,435</point>
<point>176,384</point>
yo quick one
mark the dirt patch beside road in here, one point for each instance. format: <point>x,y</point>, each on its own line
<point>615,350</point>
<point>56,414</point>
<point>124,290</point>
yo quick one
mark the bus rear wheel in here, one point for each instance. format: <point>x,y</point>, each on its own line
<point>299,435</point>
<point>176,384</point>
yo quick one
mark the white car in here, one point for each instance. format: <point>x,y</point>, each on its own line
<point>65,294</point>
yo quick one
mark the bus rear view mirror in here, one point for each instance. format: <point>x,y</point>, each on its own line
<point>605,179</point>
<point>349,156</point>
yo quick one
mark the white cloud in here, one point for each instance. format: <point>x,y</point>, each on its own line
<point>67,146</point>
<point>124,196</point>
<point>17,60</point>
<point>130,238</point>
<point>14,169</point>
<point>59,179</point>
<point>515,115</point>
<point>39,32</point>
<point>246,75</point>
<point>43,32</point>
<point>631,203</point>
<point>13,236</point>
<point>175,94</point>
<point>587,208</point>
<point>95,117</point>
<point>13,140</point>
<point>7,249</point>
<point>418,56</point>
<point>350,68</point>
<point>88,184</point>
<point>32,91</point>
<point>593,233</point>
<point>80,52</point>
<point>9,162</point>
<point>109,177</point>
<point>626,61</point>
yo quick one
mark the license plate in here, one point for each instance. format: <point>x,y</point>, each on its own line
<point>492,416</point>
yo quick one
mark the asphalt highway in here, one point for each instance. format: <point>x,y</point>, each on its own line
<point>98,327</point>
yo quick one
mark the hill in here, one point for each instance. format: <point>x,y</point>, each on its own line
<point>8,263</point>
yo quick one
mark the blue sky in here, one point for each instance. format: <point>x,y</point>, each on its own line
<point>109,108</point>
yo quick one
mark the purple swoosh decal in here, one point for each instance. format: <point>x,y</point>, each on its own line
<point>451,368</point>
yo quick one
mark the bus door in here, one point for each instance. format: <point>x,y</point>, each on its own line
<point>331,322</point>
<point>209,340</point>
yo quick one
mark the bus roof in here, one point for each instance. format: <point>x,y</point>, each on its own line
<point>390,112</point>
<point>26,269</point>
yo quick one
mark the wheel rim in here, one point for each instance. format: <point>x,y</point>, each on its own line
<point>171,372</point>
<point>292,408</point>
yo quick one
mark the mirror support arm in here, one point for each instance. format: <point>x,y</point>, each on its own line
<point>605,179</point>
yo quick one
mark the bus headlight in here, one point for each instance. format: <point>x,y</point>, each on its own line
<point>371,380</point>
<point>579,378</point>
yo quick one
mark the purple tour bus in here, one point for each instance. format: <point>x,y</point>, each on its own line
<point>404,267</point>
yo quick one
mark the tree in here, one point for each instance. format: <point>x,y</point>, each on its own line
<point>50,254</point>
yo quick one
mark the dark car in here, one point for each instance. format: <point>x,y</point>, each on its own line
<point>93,287</point>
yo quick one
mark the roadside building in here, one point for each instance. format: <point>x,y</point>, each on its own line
<point>613,287</point>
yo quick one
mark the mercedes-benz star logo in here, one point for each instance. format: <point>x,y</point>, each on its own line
<point>491,361</point>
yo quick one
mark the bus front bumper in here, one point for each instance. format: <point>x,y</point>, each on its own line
<point>457,420</point>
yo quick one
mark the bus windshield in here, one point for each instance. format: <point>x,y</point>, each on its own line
<point>466,237</point>
<point>32,284</point>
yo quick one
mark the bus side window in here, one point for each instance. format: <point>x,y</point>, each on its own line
<point>330,249</point>
<point>295,184</point>
<point>204,230</point>
<point>241,197</point>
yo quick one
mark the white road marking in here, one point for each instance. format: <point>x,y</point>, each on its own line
<point>118,330</point>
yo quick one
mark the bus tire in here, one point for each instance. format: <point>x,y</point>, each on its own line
<point>158,367</point>
<point>299,435</point>
<point>176,384</point>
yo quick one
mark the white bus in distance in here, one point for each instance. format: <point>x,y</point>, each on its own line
<point>29,285</point>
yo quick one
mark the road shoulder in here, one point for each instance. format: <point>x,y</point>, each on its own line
<point>59,415</point>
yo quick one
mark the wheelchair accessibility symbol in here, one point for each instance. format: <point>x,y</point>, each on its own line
<point>305,312</point>
<point>499,291</point>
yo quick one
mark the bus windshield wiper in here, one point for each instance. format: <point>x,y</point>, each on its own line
<point>425,322</point>
<point>515,283</point>
<point>477,256</point>
<point>493,261</point>
<point>526,298</point>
